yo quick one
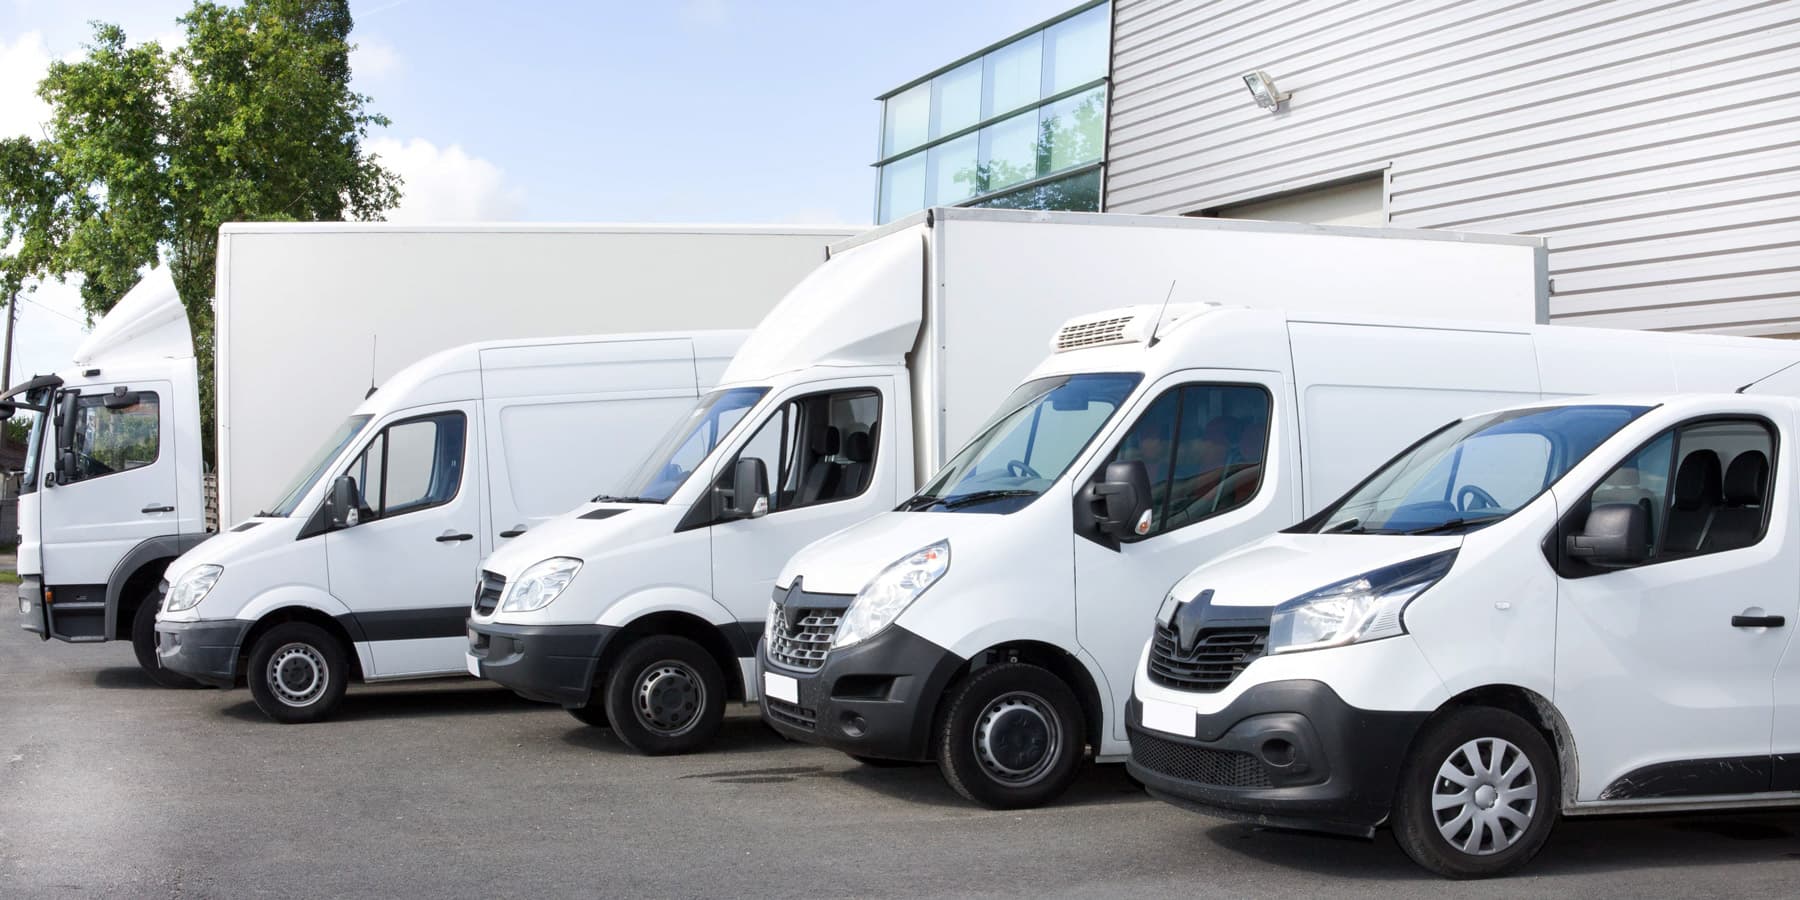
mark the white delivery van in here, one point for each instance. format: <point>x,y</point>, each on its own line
<point>644,609</point>
<point>1568,608</point>
<point>361,567</point>
<point>94,539</point>
<point>994,621</point>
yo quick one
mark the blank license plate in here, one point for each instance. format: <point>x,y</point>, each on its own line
<point>781,687</point>
<point>1171,718</point>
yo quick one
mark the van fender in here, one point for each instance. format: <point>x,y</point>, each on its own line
<point>301,595</point>
<point>666,598</point>
<point>149,550</point>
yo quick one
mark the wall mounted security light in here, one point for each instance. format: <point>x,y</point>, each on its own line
<point>1262,87</point>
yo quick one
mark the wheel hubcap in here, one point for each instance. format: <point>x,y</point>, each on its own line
<point>298,675</point>
<point>1017,738</point>
<point>670,696</point>
<point>1484,796</point>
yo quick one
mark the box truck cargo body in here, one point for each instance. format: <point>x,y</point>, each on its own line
<point>309,317</point>
<point>644,610</point>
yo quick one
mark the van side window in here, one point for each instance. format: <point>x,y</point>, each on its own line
<point>1704,485</point>
<point>818,449</point>
<point>411,465</point>
<point>1203,446</point>
<point>108,441</point>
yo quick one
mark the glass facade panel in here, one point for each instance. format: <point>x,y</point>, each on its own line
<point>1076,193</point>
<point>907,118</point>
<point>1013,75</point>
<point>1073,131</point>
<point>956,99</point>
<point>1009,152</point>
<point>952,172</point>
<point>902,187</point>
<point>1075,51</point>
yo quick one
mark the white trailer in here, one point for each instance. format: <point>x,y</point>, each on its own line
<point>851,392</point>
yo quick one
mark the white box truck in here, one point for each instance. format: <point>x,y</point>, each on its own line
<point>309,317</point>
<point>644,610</point>
<point>993,622</point>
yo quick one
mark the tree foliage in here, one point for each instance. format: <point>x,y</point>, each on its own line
<point>150,149</point>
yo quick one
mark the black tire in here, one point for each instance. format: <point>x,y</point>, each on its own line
<point>876,762</point>
<point>665,695</point>
<point>1012,737</point>
<point>304,654</point>
<point>592,712</point>
<point>1485,746</point>
<point>143,643</point>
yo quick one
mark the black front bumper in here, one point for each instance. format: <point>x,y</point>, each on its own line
<point>1290,754</point>
<point>204,651</point>
<point>550,663</point>
<point>877,698</point>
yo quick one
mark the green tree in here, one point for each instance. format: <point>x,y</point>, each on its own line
<point>151,149</point>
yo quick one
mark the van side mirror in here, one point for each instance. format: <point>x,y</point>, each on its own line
<point>340,504</point>
<point>7,408</point>
<point>66,465</point>
<point>1122,501</point>
<point>749,490</point>
<point>1616,535</point>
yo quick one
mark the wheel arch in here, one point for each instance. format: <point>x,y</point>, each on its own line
<point>679,623</point>
<point>1534,708</point>
<point>1058,661</point>
<point>136,573</point>
<point>309,615</point>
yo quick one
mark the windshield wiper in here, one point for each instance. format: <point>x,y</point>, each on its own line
<point>918,501</point>
<point>1454,524</point>
<point>608,498</point>
<point>983,496</point>
<point>1351,525</point>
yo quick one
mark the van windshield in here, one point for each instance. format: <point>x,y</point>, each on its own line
<point>315,466</point>
<point>32,422</point>
<point>1040,429</point>
<point>686,446</point>
<point>1472,473</point>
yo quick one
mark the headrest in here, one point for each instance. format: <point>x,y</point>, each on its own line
<point>859,447</point>
<point>1697,481</point>
<point>1746,478</point>
<point>825,443</point>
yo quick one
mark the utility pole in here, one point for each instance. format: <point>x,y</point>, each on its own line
<point>12,313</point>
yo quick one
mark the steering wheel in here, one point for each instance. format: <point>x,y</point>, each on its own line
<point>1018,469</point>
<point>1470,492</point>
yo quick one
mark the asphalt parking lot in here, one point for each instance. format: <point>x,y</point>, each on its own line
<point>111,786</point>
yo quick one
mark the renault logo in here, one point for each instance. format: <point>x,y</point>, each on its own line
<point>1189,620</point>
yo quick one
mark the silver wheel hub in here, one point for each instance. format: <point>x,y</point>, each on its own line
<point>670,697</point>
<point>1017,739</point>
<point>297,674</point>
<point>1484,796</point>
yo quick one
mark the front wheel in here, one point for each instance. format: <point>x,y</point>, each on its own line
<point>1012,738</point>
<point>665,695</point>
<point>1478,794</point>
<point>297,673</point>
<point>143,643</point>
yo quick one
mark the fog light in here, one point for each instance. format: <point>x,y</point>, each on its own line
<point>1278,752</point>
<point>853,725</point>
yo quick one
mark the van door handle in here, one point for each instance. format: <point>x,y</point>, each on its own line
<point>452,537</point>
<point>514,531</point>
<point>1758,621</point>
<point>156,509</point>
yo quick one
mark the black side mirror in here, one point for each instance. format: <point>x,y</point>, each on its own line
<point>748,491</point>
<point>121,398</point>
<point>340,504</point>
<point>7,408</point>
<point>1122,501</point>
<point>1616,535</point>
<point>66,465</point>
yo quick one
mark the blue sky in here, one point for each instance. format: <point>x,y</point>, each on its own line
<point>672,111</point>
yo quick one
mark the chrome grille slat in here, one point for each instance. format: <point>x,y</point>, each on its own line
<point>487,594</point>
<point>804,645</point>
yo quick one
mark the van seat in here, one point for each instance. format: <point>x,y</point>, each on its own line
<point>859,450</point>
<point>1696,502</point>
<point>1739,521</point>
<point>822,476</point>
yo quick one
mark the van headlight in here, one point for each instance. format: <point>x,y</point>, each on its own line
<point>1364,608</point>
<point>888,594</point>
<point>192,588</point>
<point>540,584</point>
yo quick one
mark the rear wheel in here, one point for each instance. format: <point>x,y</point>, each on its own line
<point>297,673</point>
<point>1478,794</point>
<point>1012,738</point>
<point>665,695</point>
<point>143,643</point>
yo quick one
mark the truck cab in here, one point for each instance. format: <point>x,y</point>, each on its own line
<point>112,488</point>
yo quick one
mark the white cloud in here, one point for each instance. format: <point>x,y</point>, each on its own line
<point>447,184</point>
<point>23,63</point>
<point>706,13</point>
<point>374,59</point>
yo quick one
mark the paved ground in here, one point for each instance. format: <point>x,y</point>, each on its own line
<point>110,786</point>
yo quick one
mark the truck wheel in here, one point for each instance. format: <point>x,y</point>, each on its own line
<point>1478,794</point>
<point>1012,737</point>
<point>143,643</point>
<point>593,712</point>
<point>665,695</point>
<point>297,673</point>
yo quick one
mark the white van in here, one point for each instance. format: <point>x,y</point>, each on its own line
<point>362,567</point>
<point>1567,608</point>
<point>993,622</point>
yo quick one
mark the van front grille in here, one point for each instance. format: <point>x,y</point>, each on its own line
<point>1217,659</point>
<point>805,643</point>
<point>487,594</point>
<point>797,716</point>
<point>1199,765</point>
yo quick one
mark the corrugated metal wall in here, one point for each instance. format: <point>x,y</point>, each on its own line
<point>1657,144</point>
